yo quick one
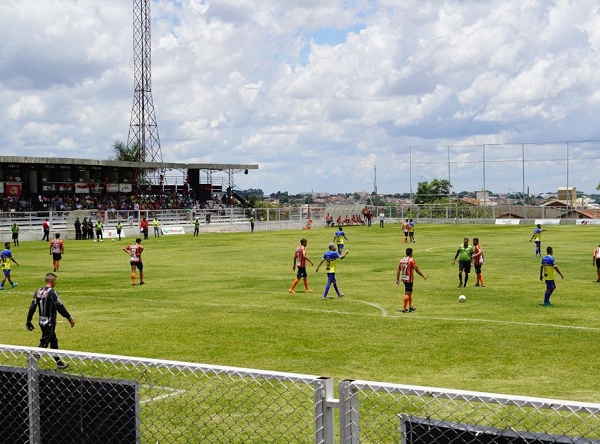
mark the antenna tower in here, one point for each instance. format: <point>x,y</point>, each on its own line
<point>143,129</point>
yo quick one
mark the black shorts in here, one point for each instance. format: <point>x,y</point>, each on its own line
<point>464,266</point>
<point>56,256</point>
<point>478,269</point>
<point>301,272</point>
<point>138,265</point>
<point>15,235</point>
<point>408,287</point>
<point>598,263</point>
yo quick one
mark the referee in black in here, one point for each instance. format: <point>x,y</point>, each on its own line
<point>48,304</point>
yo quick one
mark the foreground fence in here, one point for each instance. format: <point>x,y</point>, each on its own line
<point>116,399</point>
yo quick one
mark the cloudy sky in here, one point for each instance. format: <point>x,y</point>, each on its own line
<point>324,95</point>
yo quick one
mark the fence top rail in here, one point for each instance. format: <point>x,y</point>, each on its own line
<point>465,395</point>
<point>161,363</point>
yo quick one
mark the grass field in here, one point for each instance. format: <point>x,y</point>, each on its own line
<point>222,299</point>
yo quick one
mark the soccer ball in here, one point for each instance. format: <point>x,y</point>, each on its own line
<point>462,298</point>
<point>113,240</point>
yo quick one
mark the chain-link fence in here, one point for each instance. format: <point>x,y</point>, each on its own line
<point>372,412</point>
<point>116,399</point>
<point>111,399</point>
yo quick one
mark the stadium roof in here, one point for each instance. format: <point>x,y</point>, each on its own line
<point>121,164</point>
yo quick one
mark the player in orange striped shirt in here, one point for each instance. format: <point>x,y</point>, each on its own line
<point>300,259</point>
<point>406,269</point>
<point>57,249</point>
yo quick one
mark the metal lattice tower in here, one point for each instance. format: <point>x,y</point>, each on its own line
<point>143,129</point>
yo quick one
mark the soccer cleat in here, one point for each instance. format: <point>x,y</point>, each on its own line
<point>465,284</point>
<point>308,290</point>
<point>14,285</point>
<point>142,282</point>
<point>291,291</point>
<point>404,311</point>
<point>341,295</point>
<point>411,308</point>
<point>460,285</point>
<point>477,285</point>
<point>482,285</point>
<point>61,365</point>
<point>547,304</point>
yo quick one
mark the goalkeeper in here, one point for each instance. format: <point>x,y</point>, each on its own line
<point>48,304</point>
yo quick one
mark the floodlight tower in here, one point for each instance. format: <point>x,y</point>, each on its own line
<point>143,129</point>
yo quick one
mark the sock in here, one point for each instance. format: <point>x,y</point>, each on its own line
<point>326,290</point>
<point>405,304</point>
<point>141,276</point>
<point>410,300</point>
<point>336,289</point>
<point>460,279</point>
<point>306,283</point>
<point>481,279</point>
<point>466,279</point>
<point>133,278</point>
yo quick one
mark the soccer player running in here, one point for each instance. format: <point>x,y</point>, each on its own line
<point>331,257</point>
<point>48,303</point>
<point>5,259</point>
<point>537,236</point>
<point>547,270</point>
<point>465,257</point>
<point>338,238</point>
<point>57,249</point>
<point>411,231</point>
<point>478,261</point>
<point>300,259</point>
<point>406,270</point>
<point>405,229</point>
<point>135,253</point>
<point>596,262</point>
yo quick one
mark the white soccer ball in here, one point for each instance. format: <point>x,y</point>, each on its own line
<point>112,240</point>
<point>462,298</point>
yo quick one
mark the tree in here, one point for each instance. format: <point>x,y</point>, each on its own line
<point>127,154</point>
<point>435,192</point>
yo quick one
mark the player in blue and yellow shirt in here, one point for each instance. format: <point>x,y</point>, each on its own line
<point>5,260</point>
<point>537,237</point>
<point>331,256</point>
<point>547,269</point>
<point>338,238</point>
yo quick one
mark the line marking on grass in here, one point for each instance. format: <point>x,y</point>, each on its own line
<point>172,392</point>
<point>384,312</point>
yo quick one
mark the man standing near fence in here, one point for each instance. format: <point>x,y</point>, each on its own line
<point>46,230</point>
<point>48,303</point>
<point>156,226</point>
<point>15,233</point>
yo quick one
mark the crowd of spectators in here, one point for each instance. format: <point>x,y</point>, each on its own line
<point>112,202</point>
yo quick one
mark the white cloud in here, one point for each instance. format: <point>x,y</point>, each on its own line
<point>262,83</point>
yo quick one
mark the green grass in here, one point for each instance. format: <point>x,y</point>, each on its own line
<point>222,299</point>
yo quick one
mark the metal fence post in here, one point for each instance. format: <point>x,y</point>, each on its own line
<point>349,427</point>
<point>33,398</point>
<point>324,404</point>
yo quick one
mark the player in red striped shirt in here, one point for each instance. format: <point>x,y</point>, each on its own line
<point>406,269</point>
<point>300,259</point>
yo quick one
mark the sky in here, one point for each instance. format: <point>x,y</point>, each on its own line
<point>325,96</point>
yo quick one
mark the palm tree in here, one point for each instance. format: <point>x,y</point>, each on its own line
<point>127,154</point>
